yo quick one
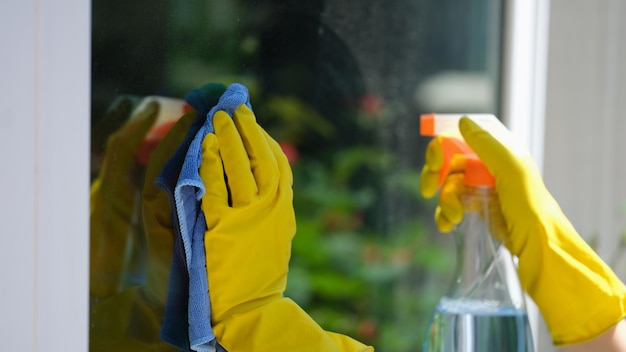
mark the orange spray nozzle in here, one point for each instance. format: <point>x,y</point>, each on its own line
<point>452,146</point>
<point>446,127</point>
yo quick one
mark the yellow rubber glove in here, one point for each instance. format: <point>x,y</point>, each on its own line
<point>251,223</point>
<point>578,295</point>
<point>113,204</point>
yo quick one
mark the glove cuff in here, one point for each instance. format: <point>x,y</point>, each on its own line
<point>280,325</point>
<point>579,295</point>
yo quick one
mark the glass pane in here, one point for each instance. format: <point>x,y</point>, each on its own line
<point>340,85</point>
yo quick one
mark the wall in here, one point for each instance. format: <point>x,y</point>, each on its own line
<point>585,167</point>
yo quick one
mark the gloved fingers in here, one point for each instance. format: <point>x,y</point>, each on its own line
<point>262,160</point>
<point>286,176</point>
<point>241,180</point>
<point>212,173</point>
<point>449,211</point>
<point>430,179</point>
<point>429,182</point>
<point>457,164</point>
<point>496,157</point>
<point>434,154</point>
<point>443,224</point>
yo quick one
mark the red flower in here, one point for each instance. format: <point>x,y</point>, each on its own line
<point>367,329</point>
<point>371,103</point>
<point>290,151</point>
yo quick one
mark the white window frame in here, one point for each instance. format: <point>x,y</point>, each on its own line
<point>44,149</point>
<point>524,97</point>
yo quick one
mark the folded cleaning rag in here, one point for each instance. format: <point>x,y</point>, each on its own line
<point>175,328</point>
<point>188,192</point>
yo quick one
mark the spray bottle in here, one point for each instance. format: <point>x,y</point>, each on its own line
<point>484,308</point>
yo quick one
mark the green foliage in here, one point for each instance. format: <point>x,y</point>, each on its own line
<point>353,278</point>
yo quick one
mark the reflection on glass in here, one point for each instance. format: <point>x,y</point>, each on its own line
<point>340,84</point>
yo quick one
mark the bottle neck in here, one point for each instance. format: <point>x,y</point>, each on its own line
<point>484,266</point>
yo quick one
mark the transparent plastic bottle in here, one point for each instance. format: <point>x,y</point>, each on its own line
<point>484,310</point>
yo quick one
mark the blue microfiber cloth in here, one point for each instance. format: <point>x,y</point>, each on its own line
<point>188,192</point>
<point>175,326</point>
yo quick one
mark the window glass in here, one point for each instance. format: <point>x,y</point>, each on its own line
<point>340,85</point>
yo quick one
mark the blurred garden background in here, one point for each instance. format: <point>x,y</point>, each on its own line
<point>340,84</point>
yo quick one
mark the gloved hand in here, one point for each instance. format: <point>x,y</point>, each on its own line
<point>251,223</point>
<point>578,295</point>
<point>113,201</point>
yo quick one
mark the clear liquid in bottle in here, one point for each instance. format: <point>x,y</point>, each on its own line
<point>471,326</point>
